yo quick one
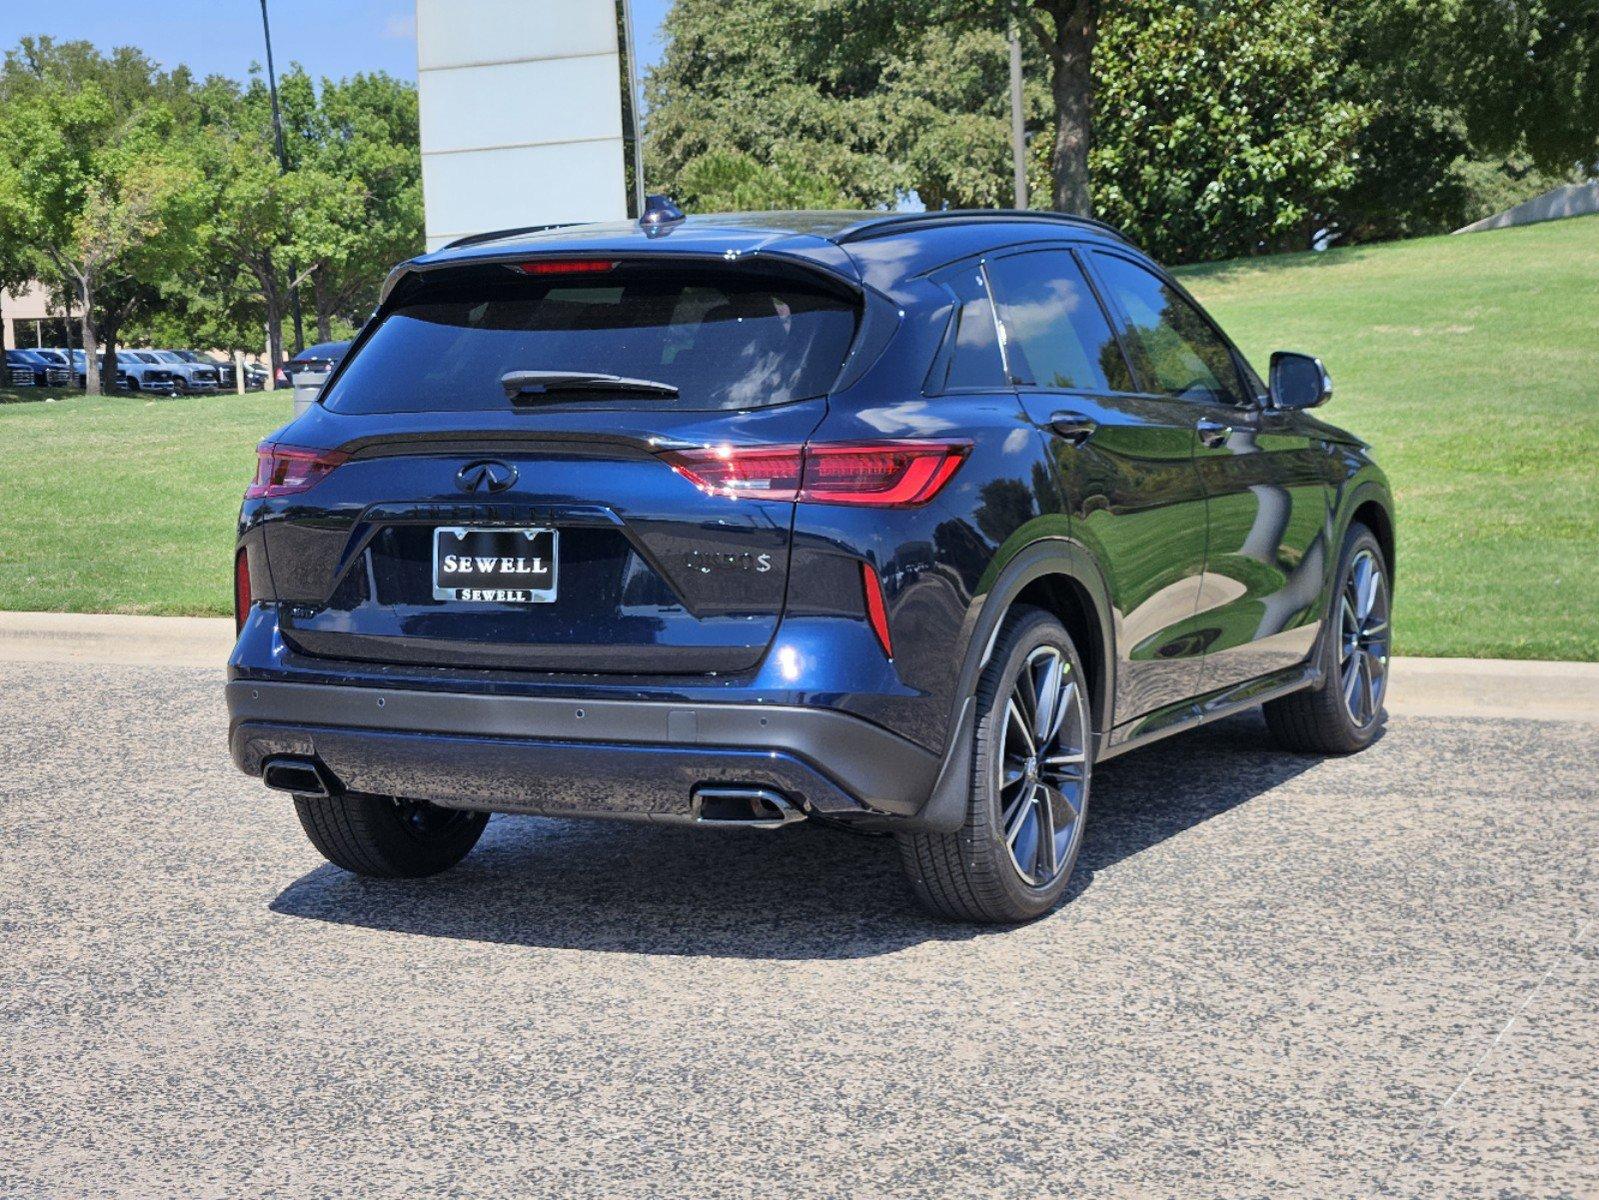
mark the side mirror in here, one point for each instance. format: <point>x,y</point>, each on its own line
<point>1299,381</point>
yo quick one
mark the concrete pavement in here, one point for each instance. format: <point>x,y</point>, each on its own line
<point>1276,976</point>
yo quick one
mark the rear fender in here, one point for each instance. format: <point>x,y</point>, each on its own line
<point>945,810</point>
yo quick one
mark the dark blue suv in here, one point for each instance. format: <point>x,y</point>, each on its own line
<point>901,522</point>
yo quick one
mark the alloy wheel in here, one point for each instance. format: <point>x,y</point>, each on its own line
<point>1043,768</point>
<point>1363,638</point>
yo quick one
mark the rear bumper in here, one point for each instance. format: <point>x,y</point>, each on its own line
<point>570,757</point>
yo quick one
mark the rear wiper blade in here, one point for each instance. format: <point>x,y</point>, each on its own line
<point>525,385</point>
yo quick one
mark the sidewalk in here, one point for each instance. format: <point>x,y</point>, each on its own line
<point>1427,687</point>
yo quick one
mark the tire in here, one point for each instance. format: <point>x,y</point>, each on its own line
<point>976,873</point>
<point>1344,714</point>
<point>384,838</point>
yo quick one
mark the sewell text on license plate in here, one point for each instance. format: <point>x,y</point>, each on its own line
<point>494,566</point>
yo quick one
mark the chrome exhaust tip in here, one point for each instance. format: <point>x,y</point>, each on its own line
<point>301,776</point>
<point>744,807</point>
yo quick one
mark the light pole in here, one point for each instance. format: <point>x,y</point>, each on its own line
<point>283,165</point>
<point>635,108</point>
<point>1018,129</point>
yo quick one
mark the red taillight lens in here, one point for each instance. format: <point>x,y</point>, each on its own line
<point>876,610</point>
<point>764,473</point>
<point>892,474</point>
<point>243,597</point>
<point>886,474</point>
<point>566,266</point>
<point>284,470</point>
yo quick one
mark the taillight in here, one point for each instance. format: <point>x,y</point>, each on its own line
<point>892,474</point>
<point>285,470</point>
<point>876,610</point>
<point>243,597</point>
<point>883,474</point>
<point>763,473</point>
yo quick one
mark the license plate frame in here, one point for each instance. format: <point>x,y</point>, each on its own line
<point>515,546</point>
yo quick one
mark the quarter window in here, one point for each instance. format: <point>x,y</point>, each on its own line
<point>1056,335</point>
<point>970,359</point>
<point>1174,348</point>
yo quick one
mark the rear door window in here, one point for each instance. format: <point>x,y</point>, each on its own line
<point>1056,334</point>
<point>726,338</point>
<point>1175,349</point>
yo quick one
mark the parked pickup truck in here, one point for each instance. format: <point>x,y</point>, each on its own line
<point>224,370</point>
<point>49,367</point>
<point>142,371</point>
<point>19,372</point>
<point>190,377</point>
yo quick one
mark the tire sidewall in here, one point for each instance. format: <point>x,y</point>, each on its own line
<point>1033,630</point>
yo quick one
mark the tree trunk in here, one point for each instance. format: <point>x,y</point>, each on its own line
<point>1072,84</point>
<point>93,384</point>
<point>273,302</point>
<point>108,336</point>
<point>322,297</point>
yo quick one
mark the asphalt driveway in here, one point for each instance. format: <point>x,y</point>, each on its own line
<point>1278,976</point>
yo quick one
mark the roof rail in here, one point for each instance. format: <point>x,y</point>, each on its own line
<point>494,235</point>
<point>891,223</point>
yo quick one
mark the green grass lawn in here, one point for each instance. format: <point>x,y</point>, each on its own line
<point>1471,363</point>
<point>125,504</point>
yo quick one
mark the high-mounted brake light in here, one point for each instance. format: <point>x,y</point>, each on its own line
<point>566,266</point>
<point>285,470</point>
<point>879,474</point>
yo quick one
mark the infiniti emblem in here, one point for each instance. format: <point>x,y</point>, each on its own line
<point>485,476</point>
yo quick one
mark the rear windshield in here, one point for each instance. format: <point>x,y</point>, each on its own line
<point>724,337</point>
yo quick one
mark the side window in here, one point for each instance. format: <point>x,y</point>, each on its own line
<point>1056,335</point>
<point>970,356</point>
<point>1173,347</point>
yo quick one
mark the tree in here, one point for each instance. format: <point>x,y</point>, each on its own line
<point>18,266</point>
<point>773,78</point>
<point>1229,124</point>
<point>94,183</point>
<point>1476,107</point>
<point>361,135</point>
<point>733,181</point>
<point>1067,30</point>
<point>258,218</point>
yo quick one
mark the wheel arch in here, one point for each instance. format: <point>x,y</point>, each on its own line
<point>1375,516</point>
<point>1366,498</point>
<point>1061,577</point>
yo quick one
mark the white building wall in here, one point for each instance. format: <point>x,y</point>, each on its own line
<point>521,114</point>
<point>33,303</point>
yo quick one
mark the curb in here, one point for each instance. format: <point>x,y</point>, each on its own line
<point>114,640</point>
<point>1420,687</point>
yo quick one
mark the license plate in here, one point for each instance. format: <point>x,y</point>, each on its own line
<point>494,566</point>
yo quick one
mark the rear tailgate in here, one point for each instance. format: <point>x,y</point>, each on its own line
<point>580,548</point>
<point>651,574</point>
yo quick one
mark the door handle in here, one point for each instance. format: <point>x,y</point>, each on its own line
<point>1213,434</point>
<point>1073,426</point>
